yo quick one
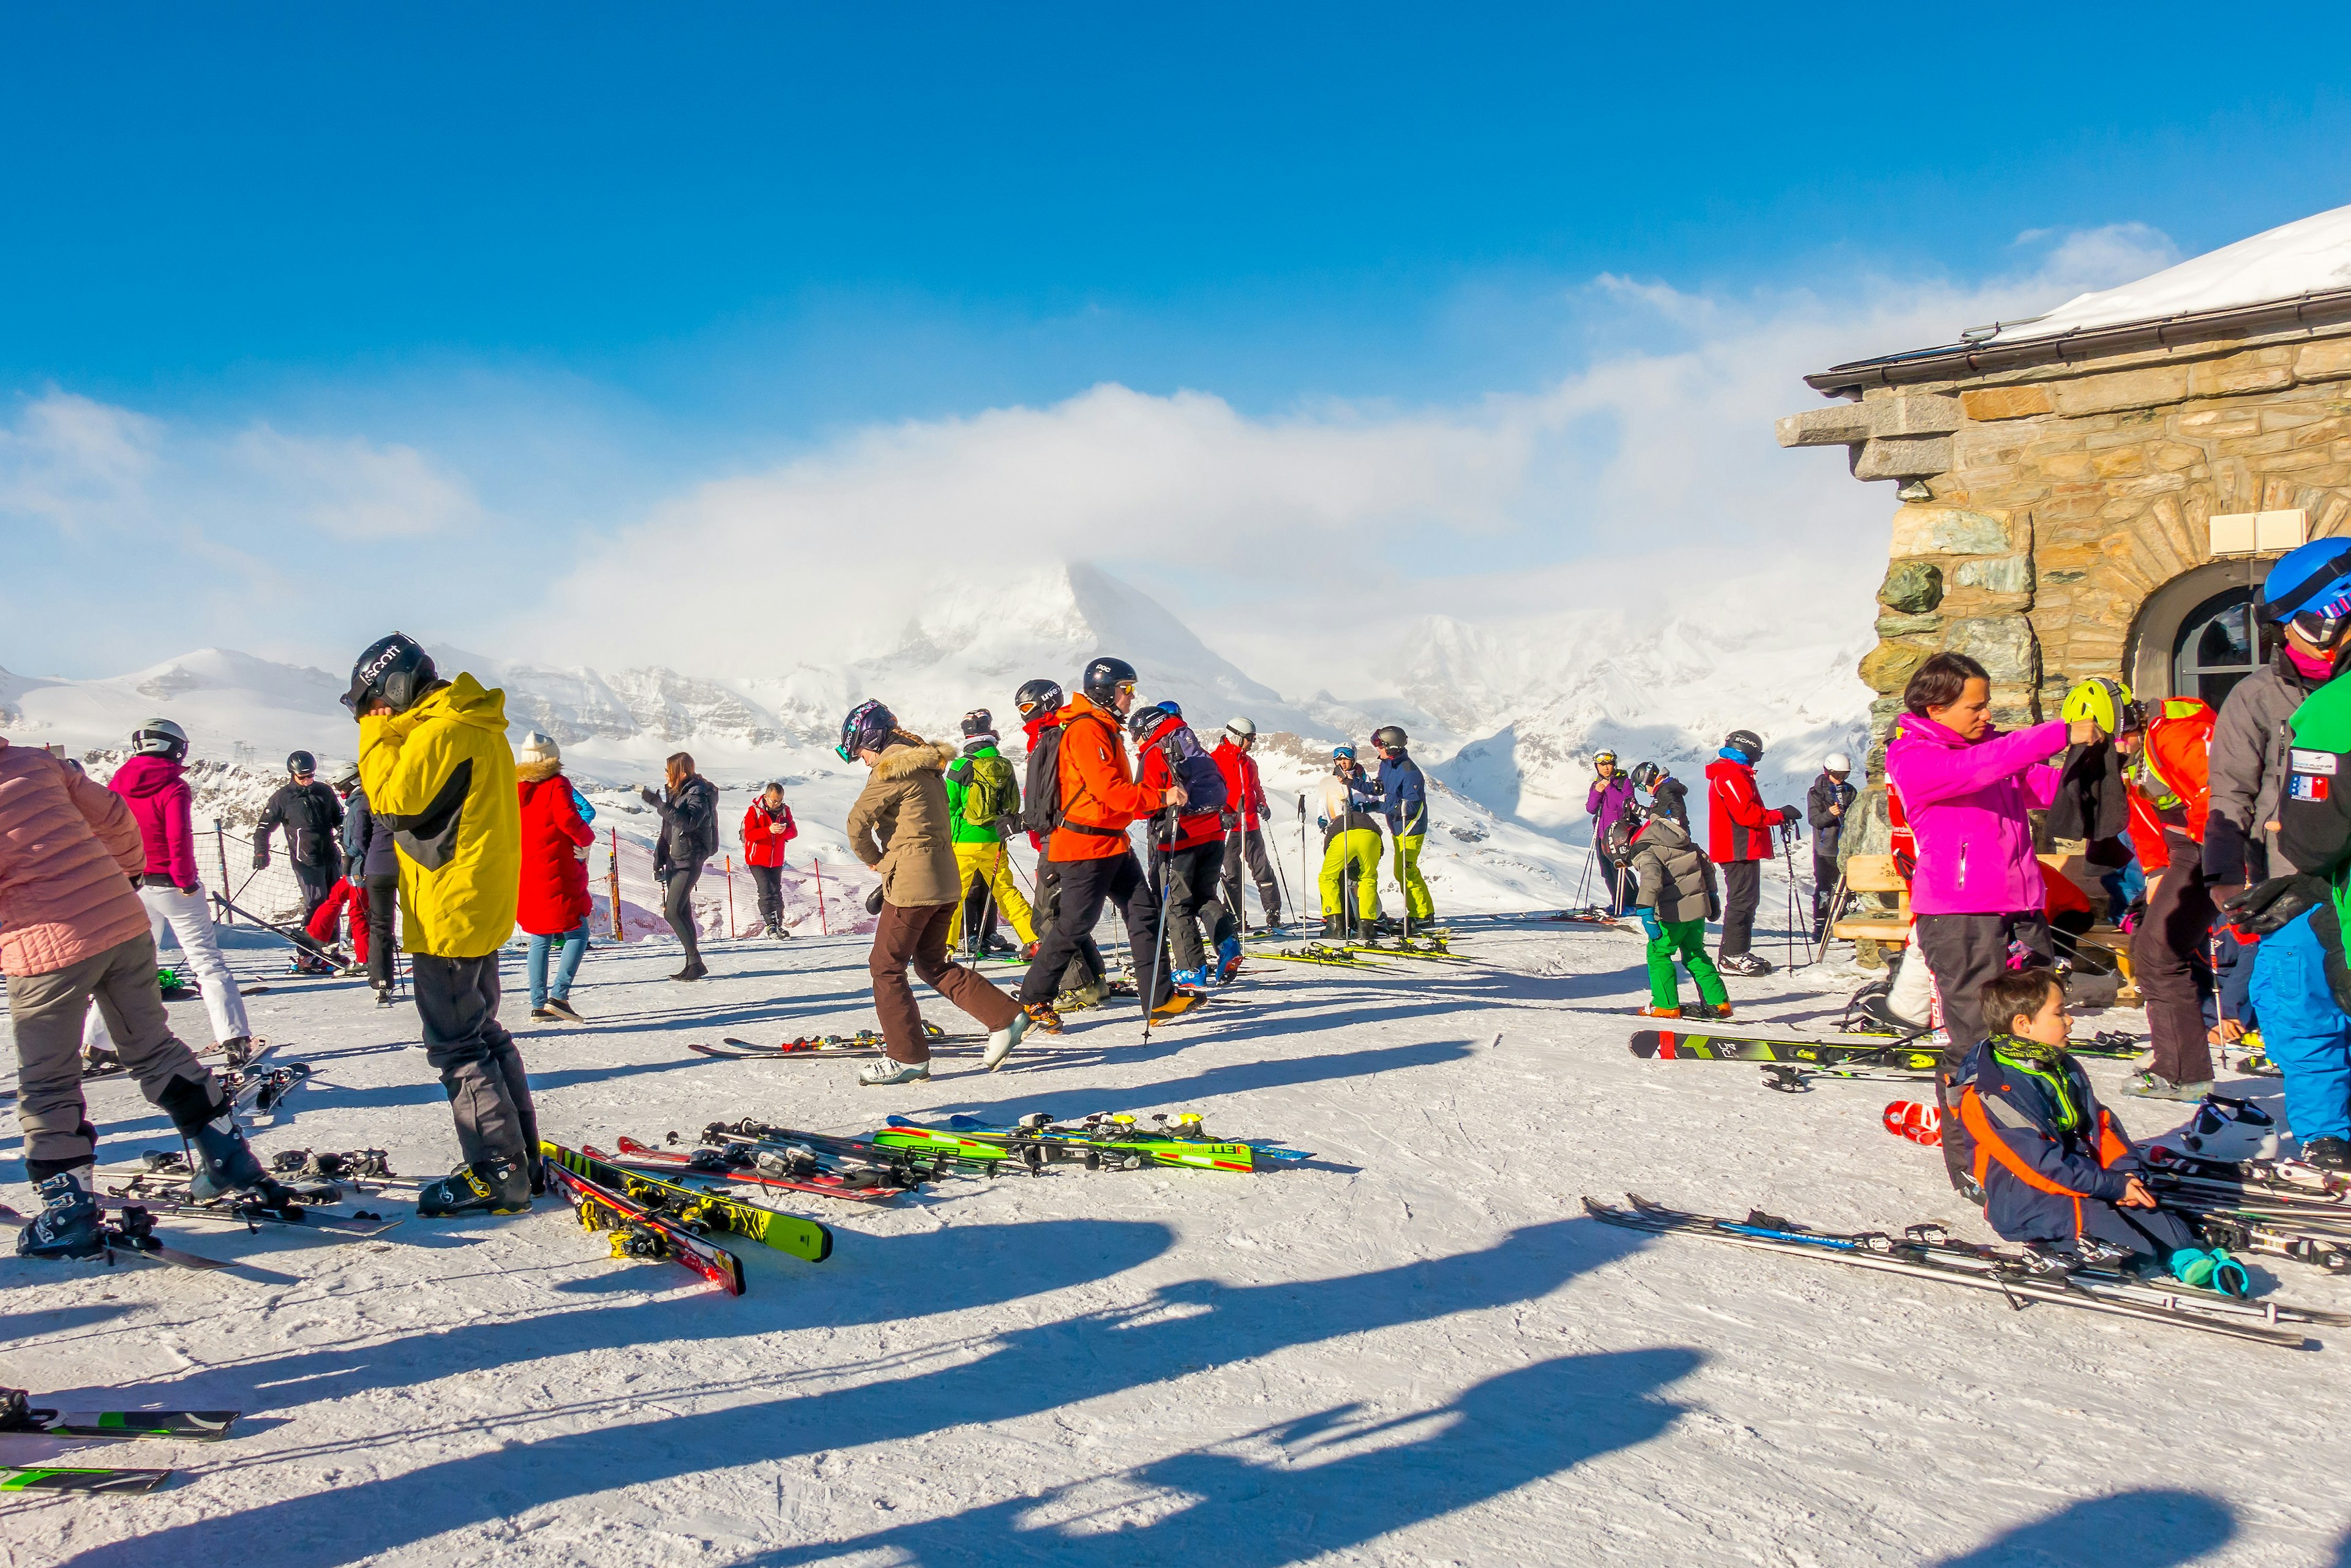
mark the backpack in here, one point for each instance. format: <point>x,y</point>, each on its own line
<point>1041,812</point>
<point>1193,768</point>
<point>989,790</point>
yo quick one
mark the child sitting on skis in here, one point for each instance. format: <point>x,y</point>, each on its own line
<point>1675,899</point>
<point>2055,1166</point>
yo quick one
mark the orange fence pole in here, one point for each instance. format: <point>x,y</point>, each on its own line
<point>728,861</point>
<point>824,927</point>
<point>614,896</point>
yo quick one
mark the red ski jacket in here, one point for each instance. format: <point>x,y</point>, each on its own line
<point>1739,827</point>
<point>554,889</point>
<point>1244,790</point>
<point>762,845</point>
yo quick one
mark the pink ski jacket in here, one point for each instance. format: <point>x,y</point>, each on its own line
<point>67,851</point>
<point>156,788</point>
<point>1966,802</point>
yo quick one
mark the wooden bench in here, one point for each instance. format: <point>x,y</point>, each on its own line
<point>1875,873</point>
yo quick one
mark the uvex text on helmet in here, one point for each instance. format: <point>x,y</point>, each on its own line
<point>1037,697</point>
<point>395,669</point>
<point>1104,678</point>
<point>1390,737</point>
<point>160,737</point>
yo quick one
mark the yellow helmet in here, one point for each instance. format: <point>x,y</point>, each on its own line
<point>2107,703</point>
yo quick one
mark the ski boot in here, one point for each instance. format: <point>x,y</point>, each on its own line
<point>1711,1012</point>
<point>1188,979</point>
<point>1177,1004</point>
<point>1658,1013</point>
<point>220,1161</point>
<point>490,1186</point>
<point>1041,1015</point>
<point>383,996</point>
<point>1000,1042</point>
<point>2327,1153</point>
<point>69,1224</point>
<point>887,1072</point>
<point>99,1063</point>
<point>1742,964</point>
<point>996,946</point>
<point>1229,960</point>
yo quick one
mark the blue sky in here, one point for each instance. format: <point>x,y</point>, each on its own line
<point>574,262</point>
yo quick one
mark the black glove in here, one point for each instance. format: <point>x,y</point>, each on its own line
<point>1788,815</point>
<point>2267,908</point>
<point>649,798</point>
<point>261,859</point>
<point>873,901</point>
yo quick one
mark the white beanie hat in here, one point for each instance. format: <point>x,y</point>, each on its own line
<point>538,751</point>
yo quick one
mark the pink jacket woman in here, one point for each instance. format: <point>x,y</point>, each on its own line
<point>67,850</point>
<point>156,789</point>
<point>1965,801</point>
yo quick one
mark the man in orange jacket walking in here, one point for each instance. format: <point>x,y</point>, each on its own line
<point>1093,800</point>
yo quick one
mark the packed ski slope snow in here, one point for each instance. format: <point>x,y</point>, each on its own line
<point>1414,1350</point>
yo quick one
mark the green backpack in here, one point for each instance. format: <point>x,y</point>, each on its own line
<point>992,790</point>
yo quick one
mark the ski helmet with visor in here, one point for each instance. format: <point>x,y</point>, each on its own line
<point>160,737</point>
<point>1037,695</point>
<point>1107,678</point>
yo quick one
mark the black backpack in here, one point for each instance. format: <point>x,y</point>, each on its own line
<point>1040,812</point>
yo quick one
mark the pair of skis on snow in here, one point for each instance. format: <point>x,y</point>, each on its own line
<point>2023,1276</point>
<point>89,1425</point>
<point>658,1216</point>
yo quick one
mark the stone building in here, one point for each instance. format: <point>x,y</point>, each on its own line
<point>2099,490</point>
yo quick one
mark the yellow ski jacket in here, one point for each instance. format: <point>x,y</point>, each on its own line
<point>443,775</point>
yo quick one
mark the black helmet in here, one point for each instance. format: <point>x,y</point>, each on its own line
<point>1390,737</point>
<point>1036,694</point>
<point>1143,720</point>
<point>1645,775</point>
<point>160,737</point>
<point>301,762</point>
<point>396,669</point>
<point>1103,678</point>
<point>869,723</point>
<point>979,721</point>
<point>1745,740</point>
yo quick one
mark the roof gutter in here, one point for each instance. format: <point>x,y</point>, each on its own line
<point>2307,309</point>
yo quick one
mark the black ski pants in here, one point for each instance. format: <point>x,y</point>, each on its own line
<point>2167,951</point>
<point>1962,952</point>
<point>1246,846</point>
<point>1085,964</point>
<point>1188,880</point>
<point>677,908</point>
<point>769,881</point>
<point>318,886</point>
<point>1825,886</point>
<point>489,1091</point>
<point>1742,890</point>
<point>383,905</point>
<point>1086,886</point>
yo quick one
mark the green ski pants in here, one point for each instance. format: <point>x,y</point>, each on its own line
<point>1685,940</point>
<point>1362,847</point>
<point>1409,877</point>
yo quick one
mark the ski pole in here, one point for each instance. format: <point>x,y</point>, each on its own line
<point>1159,943</point>
<point>1304,879</point>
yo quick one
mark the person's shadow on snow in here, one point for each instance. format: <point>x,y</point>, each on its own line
<point>2150,1528</point>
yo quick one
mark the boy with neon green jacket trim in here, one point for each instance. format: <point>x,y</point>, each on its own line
<point>979,850</point>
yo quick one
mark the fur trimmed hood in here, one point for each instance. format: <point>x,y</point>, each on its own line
<point>904,760</point>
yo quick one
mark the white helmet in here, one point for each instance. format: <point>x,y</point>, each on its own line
<point>1837,762</point>
<point>1241,728</point>
<point>160,737</point>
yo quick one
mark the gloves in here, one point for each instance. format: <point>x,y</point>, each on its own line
<point>261,859</point>
<point>1788,815</point>
<point>1650,923</point>
<point>2267,908</point>
<point>647,796</point>
<point>873,901</point>
<point>1228,821</point>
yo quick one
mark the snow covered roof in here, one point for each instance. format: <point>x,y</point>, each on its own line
<point>2309,256</point>
<point>2297,272</point>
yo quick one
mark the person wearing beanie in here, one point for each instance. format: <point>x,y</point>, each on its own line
<point>553,901</point>
<point>983,796</point>
<point>1825,804</point>
<point>767,827</point>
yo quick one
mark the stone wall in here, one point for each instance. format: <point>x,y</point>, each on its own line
<point>2071,494</point>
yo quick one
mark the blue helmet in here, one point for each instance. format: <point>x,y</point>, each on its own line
<point>2309,578</point>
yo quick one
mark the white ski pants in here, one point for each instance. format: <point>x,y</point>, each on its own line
<point>191,920</point>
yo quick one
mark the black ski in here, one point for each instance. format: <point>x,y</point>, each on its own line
<point>181,1426</point>
<point>1925,1253</point>
<point>67,1477</point>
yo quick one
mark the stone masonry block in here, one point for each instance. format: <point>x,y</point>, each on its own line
<point>1948,531</point>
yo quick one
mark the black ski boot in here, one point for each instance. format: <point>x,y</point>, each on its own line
<point>220,1161</point>
<point>2326,1153</point>
<point>488,1187</point>
<point>68,1225</point>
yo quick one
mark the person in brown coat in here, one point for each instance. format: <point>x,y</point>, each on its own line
<point>900,825</point>
<point>71,929</point>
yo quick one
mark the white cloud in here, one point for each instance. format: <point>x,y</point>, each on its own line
<point>353,489</point>
<point>76,464</point>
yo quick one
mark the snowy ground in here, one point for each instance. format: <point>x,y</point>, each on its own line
<point>1417,1350</point>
